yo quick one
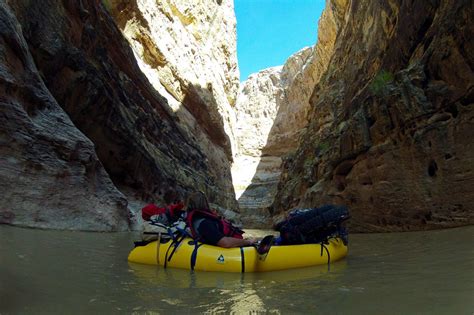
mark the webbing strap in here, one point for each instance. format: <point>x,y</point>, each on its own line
<point>175,245</point>
<point>166,255</point>
<point>194,254</point>
<point>158,242</point>
<point>242,259</point>
<point>329,255</point>
<point>171,234</point>
<point>184,232</point>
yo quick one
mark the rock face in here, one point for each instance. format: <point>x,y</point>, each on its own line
<point>50,175</point>
<point>255,176</point>
<point>188,52</point>
<point>390,120</point>
<point>68,58</point>
<point>271,111</point>
<point>104,107</point>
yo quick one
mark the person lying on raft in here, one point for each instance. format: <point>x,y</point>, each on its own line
<point>209,228</point>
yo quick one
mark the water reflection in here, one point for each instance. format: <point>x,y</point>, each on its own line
<point>180,278</point>
<point>234,292</point>
<point>77,273</point>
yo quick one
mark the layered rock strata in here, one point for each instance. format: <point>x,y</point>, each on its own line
<point>254,175</point>
<point>188,52</point>
<point>96,118</point>
<point>271,112</point>
<point>391,119</point>
<point>86,67</point>
<point>50,176</point>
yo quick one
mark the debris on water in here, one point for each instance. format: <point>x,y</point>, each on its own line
<point>344,289</point>
<point>172,301</point>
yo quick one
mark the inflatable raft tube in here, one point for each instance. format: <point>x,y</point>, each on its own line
<point>186,254</point>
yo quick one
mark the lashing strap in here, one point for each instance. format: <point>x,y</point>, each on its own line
<point>194,254</point>
<point>242,259</point>
<point>329,255</point>
<point>175,245</point>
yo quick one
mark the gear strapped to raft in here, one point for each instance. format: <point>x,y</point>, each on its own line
<point>302,226</point>
<point>313,225</point>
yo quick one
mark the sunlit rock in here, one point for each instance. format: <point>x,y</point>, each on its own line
<point>390,120</point>
<point>188,49</point>
<point>271,111</point>
<point>146,141</point>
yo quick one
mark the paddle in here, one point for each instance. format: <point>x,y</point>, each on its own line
<point>263,247</point>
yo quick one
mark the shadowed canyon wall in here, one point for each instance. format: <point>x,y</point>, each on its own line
<point>50,175</point>
<point>188,52</point>
<point>70,86</point>
<point>391,119</point>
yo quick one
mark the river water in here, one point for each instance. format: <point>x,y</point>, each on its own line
<point>78,272</point>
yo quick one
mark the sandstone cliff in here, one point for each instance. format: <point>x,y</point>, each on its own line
<point>271,111</point>
<point>255,175</point>
<point>104,107</point>
<point>50,175</point>
<point>391,118</point>
<point>187,49</point>
<point>67,73</point>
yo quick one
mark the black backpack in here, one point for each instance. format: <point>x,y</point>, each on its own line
<point>313,225</point>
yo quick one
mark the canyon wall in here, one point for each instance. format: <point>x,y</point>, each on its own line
<point>86,135</point>
<point>271,111</point>
<point>255,175</point>
<point>188,52</point>
<point>108,105</point>
<point>390,120</point>
<point>50,176</point>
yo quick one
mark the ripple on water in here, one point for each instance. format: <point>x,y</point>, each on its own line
<point>431,272</point>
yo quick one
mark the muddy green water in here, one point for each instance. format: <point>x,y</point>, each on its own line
<point>77,273</point>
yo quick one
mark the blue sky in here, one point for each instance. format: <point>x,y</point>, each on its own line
<point>269,31</point>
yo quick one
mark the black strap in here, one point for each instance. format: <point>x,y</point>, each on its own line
<point>175,244</point>
<point>242,259</point>
<point>166,255</point>
<point>329,255</point>
<point>194,254</point>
